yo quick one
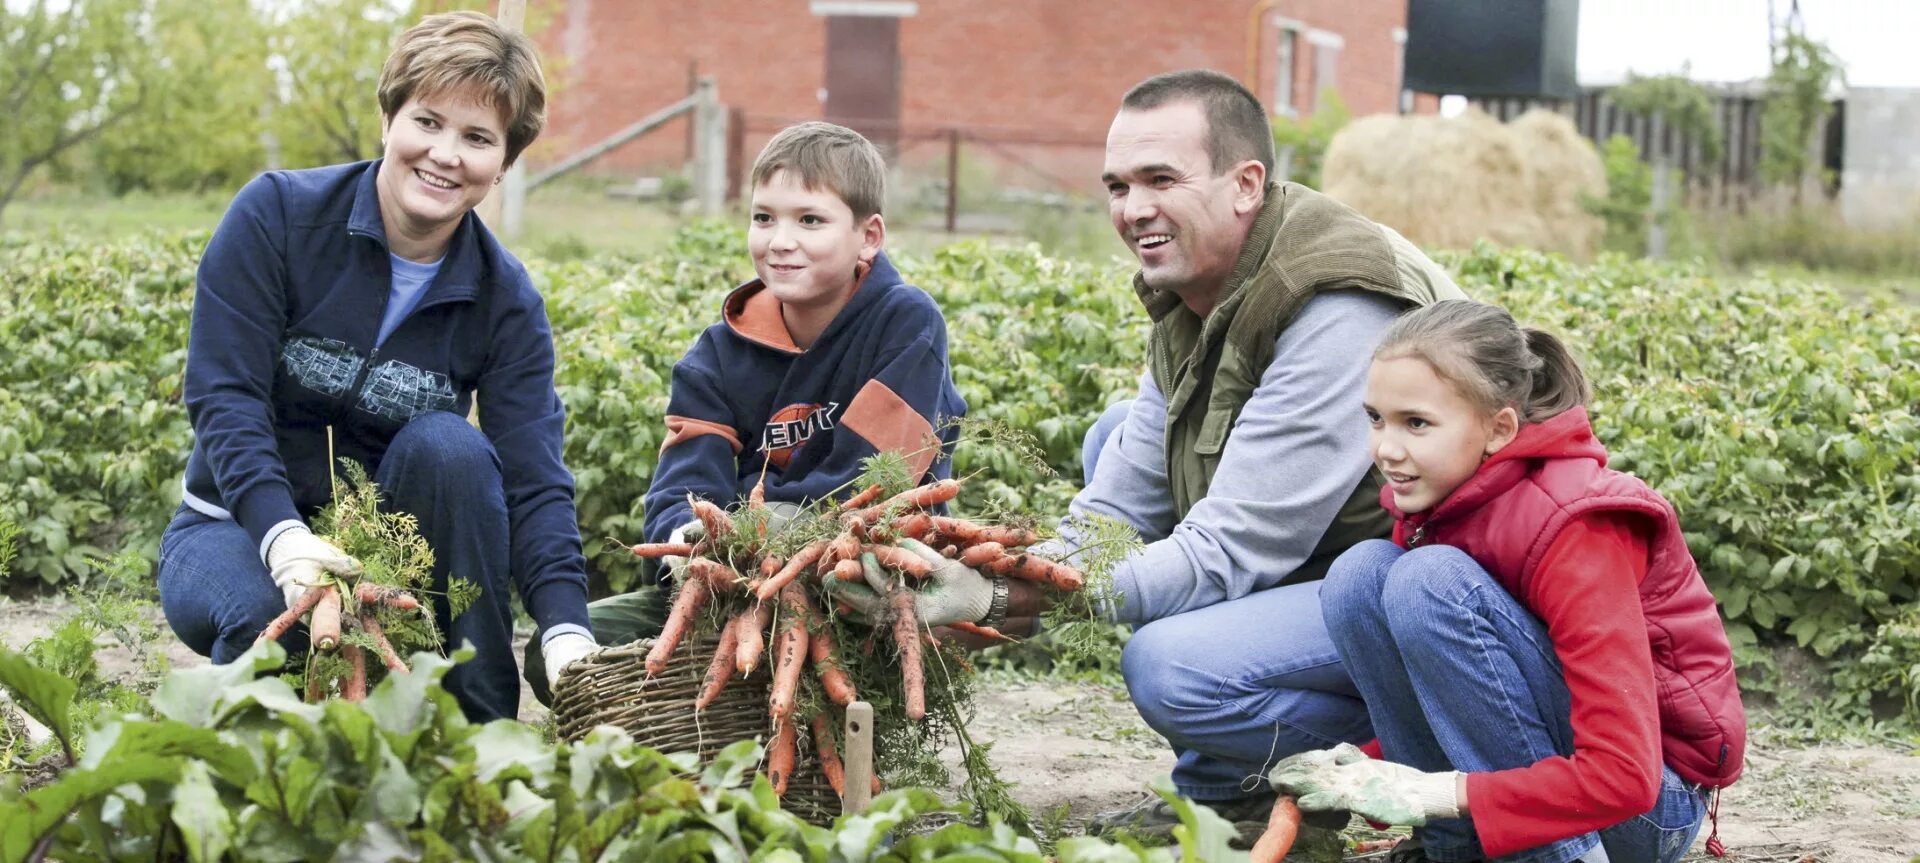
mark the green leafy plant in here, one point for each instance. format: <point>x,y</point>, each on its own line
<point>1804,70</point>
<point>234,765</point>
<point>1629,199</point>
<point>1302,141</point>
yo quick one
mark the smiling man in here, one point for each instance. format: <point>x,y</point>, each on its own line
<point>1243,461</point>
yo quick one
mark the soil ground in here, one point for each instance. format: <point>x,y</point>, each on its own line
<point>1083,746</point>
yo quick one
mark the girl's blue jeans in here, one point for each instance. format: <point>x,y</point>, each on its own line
<point>1457,675</point>
<point>218,596</point>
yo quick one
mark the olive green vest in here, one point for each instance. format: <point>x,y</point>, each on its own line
<point>1301,242</point>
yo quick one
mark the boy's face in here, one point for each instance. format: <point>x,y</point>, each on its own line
<point>805,243</point>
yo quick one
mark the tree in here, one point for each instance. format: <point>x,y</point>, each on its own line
<point>68,72</point>
<point>1684,106</point>
<point>1795,108</point>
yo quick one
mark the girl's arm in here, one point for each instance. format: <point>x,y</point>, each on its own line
<point>1587,591</point>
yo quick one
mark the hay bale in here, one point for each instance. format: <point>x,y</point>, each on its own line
<point>1450,182</point>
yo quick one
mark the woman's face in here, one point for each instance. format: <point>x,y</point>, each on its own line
<point>444,151</point>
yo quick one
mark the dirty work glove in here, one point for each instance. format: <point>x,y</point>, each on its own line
<point>562,650</point>
<point>1345,778</point>
<point>779,514</point>
<point>691,533</point>
<point>955,593</point>
<point>300,561</point>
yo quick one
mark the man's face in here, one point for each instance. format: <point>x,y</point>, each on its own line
<point>1168,205</point>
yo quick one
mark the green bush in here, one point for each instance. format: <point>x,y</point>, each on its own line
<point>1776,414</point>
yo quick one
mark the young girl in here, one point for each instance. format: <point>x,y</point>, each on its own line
<point>1544,666</point>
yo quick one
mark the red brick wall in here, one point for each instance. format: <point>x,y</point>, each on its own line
<point>1053,67</point>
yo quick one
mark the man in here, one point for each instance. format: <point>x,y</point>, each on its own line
<point>1243,461</point>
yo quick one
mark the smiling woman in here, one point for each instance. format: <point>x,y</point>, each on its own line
<point>359,311</point>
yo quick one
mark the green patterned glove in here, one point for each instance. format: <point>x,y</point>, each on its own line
<point>1345,778</point>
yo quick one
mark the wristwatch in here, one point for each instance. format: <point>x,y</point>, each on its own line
<point>997,608</point>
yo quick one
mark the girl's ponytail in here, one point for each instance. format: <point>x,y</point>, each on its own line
<point>1479,348</point>
<point>1558,383</point>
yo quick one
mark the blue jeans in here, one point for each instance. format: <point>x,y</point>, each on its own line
<point>218,596</point>
<point>1237,686</point>
<point>1457,675</point>
<point>1097,435</point>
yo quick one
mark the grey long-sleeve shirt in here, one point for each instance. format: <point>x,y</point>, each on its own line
<point>1295,453</point>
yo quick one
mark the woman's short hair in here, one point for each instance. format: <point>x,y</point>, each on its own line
<point>468,50</point>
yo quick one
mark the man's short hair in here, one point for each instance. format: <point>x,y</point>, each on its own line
<point>457,50</point>
<point>825,156</point>
<point>1237,126</point>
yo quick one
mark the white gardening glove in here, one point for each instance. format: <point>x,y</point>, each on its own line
<point>690,533</point>
<point>565,649</point>
<point>954,593</point>
<point>1380,791</point>
<point>300,561</point>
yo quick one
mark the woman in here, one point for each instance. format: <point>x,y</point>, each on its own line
<point>357,310</point>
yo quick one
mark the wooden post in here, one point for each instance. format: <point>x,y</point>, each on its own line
<point>512,15</point>
<point>858,736</point>
<point>709,147</point>
<point>953,179</point>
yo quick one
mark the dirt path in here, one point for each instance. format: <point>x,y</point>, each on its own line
<point>1085,748</point>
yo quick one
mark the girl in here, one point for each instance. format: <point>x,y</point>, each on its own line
<point>1544,666</point>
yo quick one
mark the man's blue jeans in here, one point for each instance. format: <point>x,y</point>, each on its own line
<point>1458,675</point>
<point>1239,685</point>
<point>218,596</point>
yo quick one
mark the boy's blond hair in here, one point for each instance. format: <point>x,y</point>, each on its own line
<point>826,156</point>
<point>458,50</point>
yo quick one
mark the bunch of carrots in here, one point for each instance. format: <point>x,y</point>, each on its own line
<point>325,631</point>
<point>751,582</point>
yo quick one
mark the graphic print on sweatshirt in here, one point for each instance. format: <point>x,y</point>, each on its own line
<point>393,390</point>
<point>790,427</point>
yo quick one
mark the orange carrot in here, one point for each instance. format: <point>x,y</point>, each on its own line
<point>1283,826</point>
<point>801,560</point>
<point>757,499</point>
<point>906,634</point>
<point>791,653</point>
<point>920,497</point>
<point>875,784</point>
<point>982,554</point>
<point>868,496</point>
<point>781,754</point>
<point>982,631</point>
<point>829,756</point>
<point>721,670</point>
<point>1028,567</point>
<point>291,616</point>
<point>914,524</point>
<point>753,637</point>
<point>963,532</point>
<point>833,678</point>
<point>326,620</point>
<point>711,516</point>
<point>770,566</point>
<point>693,596</point>
<point>952,551</point>
<point>848,570</point>
<point>368,593</point>
<point>355,688</point>
<point>371,626</point>
<point>663,549</point>
<point>900,559</point>
<point>718,576</point>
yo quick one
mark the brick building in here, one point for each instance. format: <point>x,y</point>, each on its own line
<point>1041,75</point>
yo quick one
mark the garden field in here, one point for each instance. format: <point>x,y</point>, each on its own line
<point>1777,413</point>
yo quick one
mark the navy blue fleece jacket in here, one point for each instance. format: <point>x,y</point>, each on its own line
<point>746,396</point>
<point>286,311</point>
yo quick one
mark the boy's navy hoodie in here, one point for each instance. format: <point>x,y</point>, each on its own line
<point>746,396</point>
<point>286,311</point>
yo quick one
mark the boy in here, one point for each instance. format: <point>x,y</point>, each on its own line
<point>826,358</point>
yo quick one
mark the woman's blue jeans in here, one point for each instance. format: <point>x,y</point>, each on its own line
<point>218,596</point>
<point>1239,685</point>
<point>1457,675</point>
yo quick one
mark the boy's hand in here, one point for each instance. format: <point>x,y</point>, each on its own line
<point>690,533</point>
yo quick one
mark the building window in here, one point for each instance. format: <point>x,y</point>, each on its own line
<point>1326,64</point>
<point>1283,101</point>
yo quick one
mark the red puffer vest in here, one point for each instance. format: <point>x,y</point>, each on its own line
<point>1508,514</point>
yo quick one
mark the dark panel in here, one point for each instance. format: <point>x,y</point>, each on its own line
<point>863,77</point>
<point>1493,47</point>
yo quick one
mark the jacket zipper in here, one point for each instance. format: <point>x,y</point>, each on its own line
<point>1419,533</point>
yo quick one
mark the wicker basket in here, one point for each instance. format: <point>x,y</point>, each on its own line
<point>612,688</point>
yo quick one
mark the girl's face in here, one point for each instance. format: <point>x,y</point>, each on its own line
<point>1428,438</point>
